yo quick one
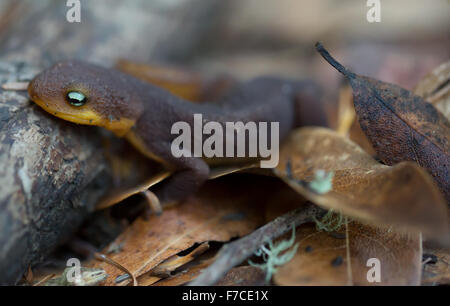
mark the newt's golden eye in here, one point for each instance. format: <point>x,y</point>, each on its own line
<point>76,98</point>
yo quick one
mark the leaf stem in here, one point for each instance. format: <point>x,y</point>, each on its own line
<point>332,61</point>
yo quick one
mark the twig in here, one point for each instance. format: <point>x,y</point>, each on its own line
<point>46,278</point>
<point>236,252</point>
<point>104,258</point>
<point>153,202</point>
<point>15,86</point>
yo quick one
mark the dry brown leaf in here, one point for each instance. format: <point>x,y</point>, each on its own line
<point>435,88</point>
<point>324,259</point>
<point>186,275</point>
<point>400,125</point>
<point>223,209</point>
<point>176,261</point>
<point>402,195</point>
<point>169,265</point>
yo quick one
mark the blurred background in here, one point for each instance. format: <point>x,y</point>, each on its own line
<point>240,37</point>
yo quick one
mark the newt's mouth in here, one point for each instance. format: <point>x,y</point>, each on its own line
<point>85,116</point>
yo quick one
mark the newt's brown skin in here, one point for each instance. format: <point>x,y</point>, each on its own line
<point>144,113</point>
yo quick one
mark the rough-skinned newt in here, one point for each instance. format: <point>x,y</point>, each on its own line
<point>87,94</point>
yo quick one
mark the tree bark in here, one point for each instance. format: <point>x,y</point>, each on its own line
<point>51,176</point>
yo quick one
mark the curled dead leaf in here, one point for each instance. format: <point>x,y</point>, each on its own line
<point>400,125</point>
<point>403,195</point>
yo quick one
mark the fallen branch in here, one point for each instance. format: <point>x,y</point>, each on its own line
<point>236,252</point>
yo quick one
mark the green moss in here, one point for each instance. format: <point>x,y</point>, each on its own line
<point>272,256</point>
<point>322,183</point>
<point>331,222</point>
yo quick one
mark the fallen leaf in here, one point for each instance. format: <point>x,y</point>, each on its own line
<point>222,210</point>
<point>176,261</point>
<point>330,259</point>
<point>435,88</point>
<point>164,269</point>
<point>187,275</point>
<point>400,125</point>
<point>403,195</point>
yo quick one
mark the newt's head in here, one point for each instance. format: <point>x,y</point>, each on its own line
<point>87,94</point>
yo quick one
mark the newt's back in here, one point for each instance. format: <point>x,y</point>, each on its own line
<point>270,99</point>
